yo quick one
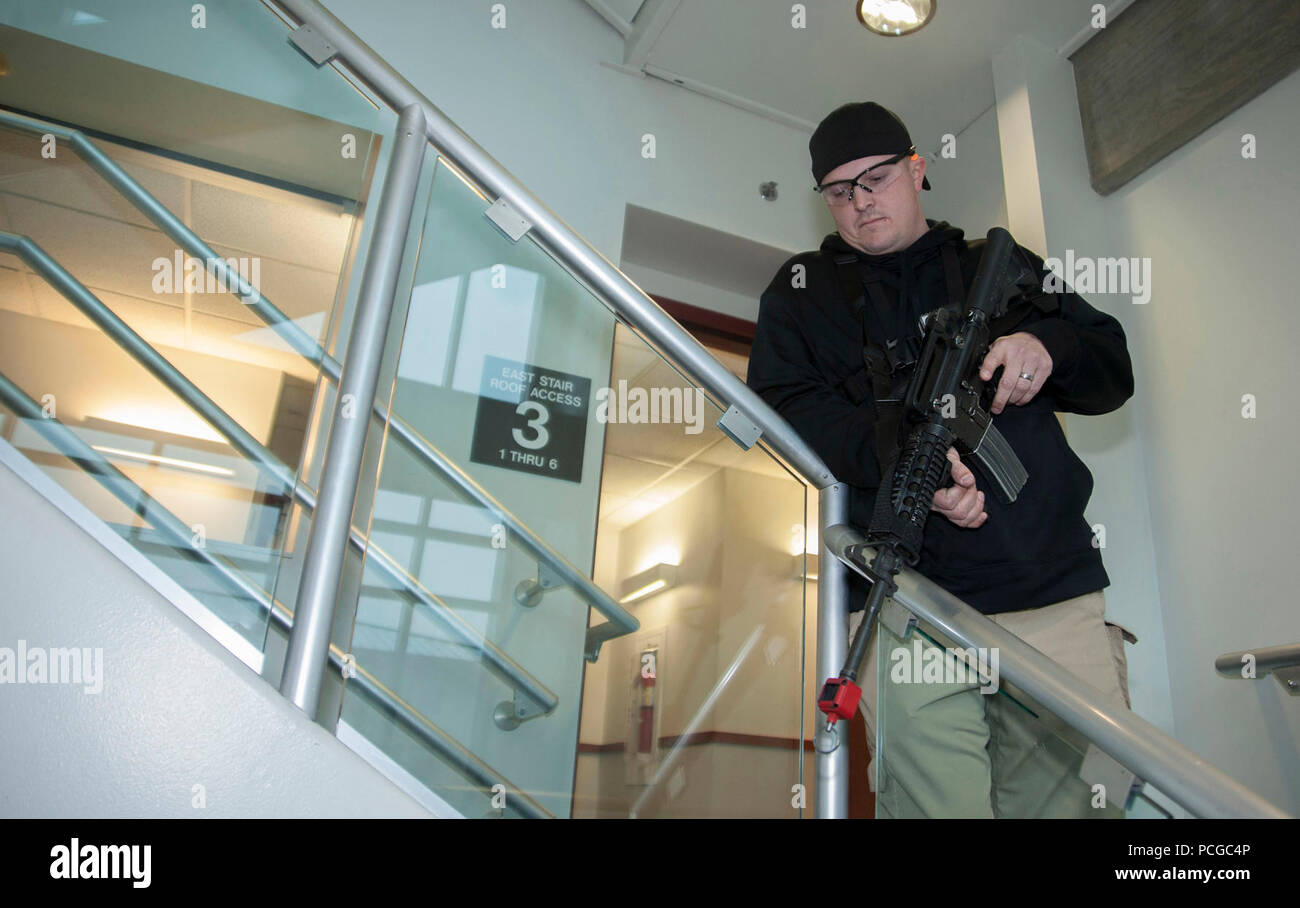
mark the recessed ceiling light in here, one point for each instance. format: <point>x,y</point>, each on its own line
<point>895,17</point>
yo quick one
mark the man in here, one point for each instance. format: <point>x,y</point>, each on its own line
<point>836,340</point>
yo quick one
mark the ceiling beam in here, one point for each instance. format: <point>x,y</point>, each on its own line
<point>726,97</point>
<point>649,24</point>
<point>606,12</point>
<point>646,29</point>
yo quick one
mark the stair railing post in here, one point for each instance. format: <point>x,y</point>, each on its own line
<point>831,797</point>
<point>327,540</point>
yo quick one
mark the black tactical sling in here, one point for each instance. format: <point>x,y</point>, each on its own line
<point>887,368</point>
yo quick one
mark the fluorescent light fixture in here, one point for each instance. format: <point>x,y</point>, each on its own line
<point>806,570</point>
<point>895,17</point>
<point>647,583</point>
<point>165,461</point>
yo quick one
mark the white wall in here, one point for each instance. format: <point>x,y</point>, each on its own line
<point>1220,231</point>
<point>966,189</point>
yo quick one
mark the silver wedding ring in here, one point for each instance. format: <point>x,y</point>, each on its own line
<point>1026,376</point>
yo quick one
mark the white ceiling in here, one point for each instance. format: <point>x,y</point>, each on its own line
<point>938,80</point>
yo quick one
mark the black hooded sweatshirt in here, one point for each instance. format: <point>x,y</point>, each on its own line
<point>1034,552</point>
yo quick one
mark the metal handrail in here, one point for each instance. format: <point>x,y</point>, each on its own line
<point>138,500</point>
<point>1146,750</point>
<point>620,621</point>
<point>1266,659</point>
<point>139,349</point>
<point>1282,662</point>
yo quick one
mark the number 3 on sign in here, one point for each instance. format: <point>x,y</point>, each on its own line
<point>537,423</point>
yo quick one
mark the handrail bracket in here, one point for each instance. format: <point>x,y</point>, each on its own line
<point>313,45</point>
<point>529,592</point>
<point>510,714</point>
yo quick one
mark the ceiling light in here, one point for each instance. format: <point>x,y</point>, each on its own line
<point>647,583</point>
<point>173,462</point>
<point>895,17</point>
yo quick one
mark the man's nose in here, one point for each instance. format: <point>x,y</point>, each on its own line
<point>862,199</point>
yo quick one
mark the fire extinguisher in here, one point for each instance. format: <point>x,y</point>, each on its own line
<point>646,718</point>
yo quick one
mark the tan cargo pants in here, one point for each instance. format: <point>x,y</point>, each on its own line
<point>951,751</point>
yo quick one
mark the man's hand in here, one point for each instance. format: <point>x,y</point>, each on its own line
<point>961,503</point>
<point>1018,354</point>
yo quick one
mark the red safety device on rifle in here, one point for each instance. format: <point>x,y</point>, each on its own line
<point>839,699</point>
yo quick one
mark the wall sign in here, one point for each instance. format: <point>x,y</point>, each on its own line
<point>531,419</point>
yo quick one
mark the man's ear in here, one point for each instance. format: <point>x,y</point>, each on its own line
<point>917,164</point>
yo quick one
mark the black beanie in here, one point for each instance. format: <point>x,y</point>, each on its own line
<point>853,131</point>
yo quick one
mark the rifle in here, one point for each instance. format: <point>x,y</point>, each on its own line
<point>947,405</point>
